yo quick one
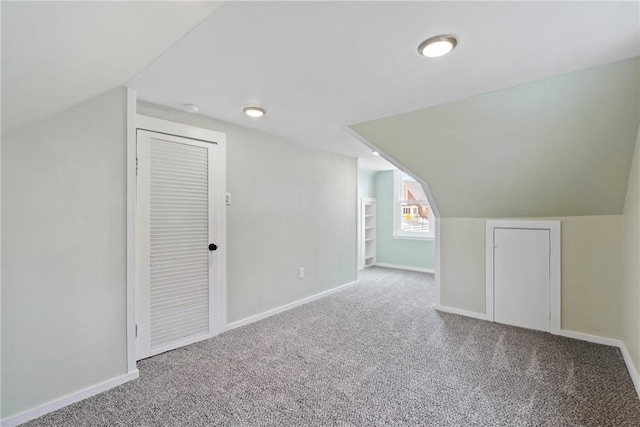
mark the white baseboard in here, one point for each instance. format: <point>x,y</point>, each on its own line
<point>630,367</point>
<point>286,307</point>
<point>77,396</point>
<point>452,310</point>
<point>41,410</point>
<point>633,373</point>
<point>404,267</point>
<point>590,338</point>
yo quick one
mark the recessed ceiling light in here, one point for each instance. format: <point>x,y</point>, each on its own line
<point>190,108</point>
<point>254,111</point>
<point>437,46</point>
<point>375,153</point>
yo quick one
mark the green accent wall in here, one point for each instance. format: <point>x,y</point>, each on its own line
<point>390,250</point>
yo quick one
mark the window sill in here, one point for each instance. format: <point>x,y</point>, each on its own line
<point>403,236</point>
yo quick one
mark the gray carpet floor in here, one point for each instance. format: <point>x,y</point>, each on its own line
<point>376,353</point>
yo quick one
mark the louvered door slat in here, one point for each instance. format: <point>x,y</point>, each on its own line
<point>179,229</point>
<point>176,335</point>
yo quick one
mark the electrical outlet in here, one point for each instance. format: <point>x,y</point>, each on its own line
<point>301,272</point>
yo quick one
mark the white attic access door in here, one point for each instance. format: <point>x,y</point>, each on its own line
<point>180,242</point>
<point>523,274</point>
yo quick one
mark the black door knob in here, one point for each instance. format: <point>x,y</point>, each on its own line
<point>213,247</point>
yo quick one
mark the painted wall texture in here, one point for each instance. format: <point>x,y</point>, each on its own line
<point>561,146</point>
<point>292,206</point>
<point>631,284</point>
<point>367,183</point>
<point>64,253</point>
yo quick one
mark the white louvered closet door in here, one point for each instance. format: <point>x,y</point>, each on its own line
<point>175,227</point>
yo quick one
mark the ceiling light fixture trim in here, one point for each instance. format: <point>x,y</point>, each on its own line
<point>437,46</point>
<point>254,111</point>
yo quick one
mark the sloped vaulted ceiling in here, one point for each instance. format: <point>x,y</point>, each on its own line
<point>56,54</point>
<point>561,146</point>
<point>320,66</point>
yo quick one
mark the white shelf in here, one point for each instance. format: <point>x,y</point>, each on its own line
<point>368,227</point>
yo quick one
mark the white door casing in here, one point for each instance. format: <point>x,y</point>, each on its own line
<point>180,284</point>
<point>523,274</point>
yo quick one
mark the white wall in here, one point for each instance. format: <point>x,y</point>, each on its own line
<point>366,183</point>
<point>592,250</point>
<point>63,246</point>
<point>292,206</point>
<point>462,263</point>
<point>631,288</point>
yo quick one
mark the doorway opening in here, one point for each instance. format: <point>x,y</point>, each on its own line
<point>396,223</point>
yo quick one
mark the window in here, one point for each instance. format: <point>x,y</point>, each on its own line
<point>412,217</point>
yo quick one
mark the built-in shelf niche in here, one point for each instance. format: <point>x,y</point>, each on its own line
<point>368,234</point>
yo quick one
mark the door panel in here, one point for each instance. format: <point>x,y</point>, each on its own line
<point>521,277</point>
<point>175,227</point>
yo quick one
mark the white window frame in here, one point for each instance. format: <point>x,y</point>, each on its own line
<point>397,229</point>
